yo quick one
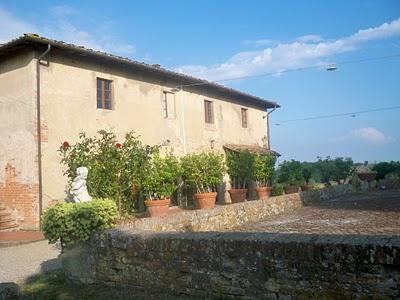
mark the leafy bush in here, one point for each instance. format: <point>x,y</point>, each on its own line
<point>307,171</point>
<point>263,169</point>
<point>114,168</point>
<point>333,169</point>
<point>356,182</point>
<point>384,168</point>
<point>240,168</point>
<point>203,171</point>
<point>277,189</point>
<point>159,179</point>
<point>290,173</point>
<point>74,222</point>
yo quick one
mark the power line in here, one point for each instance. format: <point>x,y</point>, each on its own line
<point>352,114</point>
<point>324,66</point>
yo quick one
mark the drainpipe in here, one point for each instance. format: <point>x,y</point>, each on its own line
<point>39,132</point>
<point>268,131</point>
<point>183,121</point>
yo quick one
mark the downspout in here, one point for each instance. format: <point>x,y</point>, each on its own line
<point>268,131</point>
<point>183,121</point>
<point>39,132</point>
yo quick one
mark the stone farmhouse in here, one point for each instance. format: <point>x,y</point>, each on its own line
<point>50,91</point>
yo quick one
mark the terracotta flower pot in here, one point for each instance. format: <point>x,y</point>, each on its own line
<point>291,189</point>
<point>205,200</point>
<point>307,187</point>
<point>263,192</point>
<point>158,208</point>
<point>237,195</point>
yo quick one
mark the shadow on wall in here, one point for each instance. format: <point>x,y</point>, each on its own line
<point>242,264</point>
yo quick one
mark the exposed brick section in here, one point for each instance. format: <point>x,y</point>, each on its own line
<point>20,198</point>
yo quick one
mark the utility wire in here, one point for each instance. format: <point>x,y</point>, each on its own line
<point>352,114</point>
<point>298,69</point>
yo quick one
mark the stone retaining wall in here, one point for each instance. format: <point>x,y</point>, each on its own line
<point>240,265</point>
<point>232,215</point>
<point>222,265</point>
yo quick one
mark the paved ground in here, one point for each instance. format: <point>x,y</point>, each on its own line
<point>373,213</point>
<point>20,262</point>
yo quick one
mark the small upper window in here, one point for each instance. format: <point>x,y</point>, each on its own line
<point>168,105</point>
<point>244,117</point>
<point>104,93</point>
<point>208,112</point>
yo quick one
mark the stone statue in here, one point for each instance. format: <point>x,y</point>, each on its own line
<point>79,190</point>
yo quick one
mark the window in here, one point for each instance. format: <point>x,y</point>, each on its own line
<point>244,117</point>
<point>208,112</point>
<point>168,105</point>
<point>104,93</point>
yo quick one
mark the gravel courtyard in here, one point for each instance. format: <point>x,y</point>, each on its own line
<point>20,262</point>
<point>370,213</point>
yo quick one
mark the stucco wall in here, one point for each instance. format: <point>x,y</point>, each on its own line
<point>18,148</point>
<point>69,107</point>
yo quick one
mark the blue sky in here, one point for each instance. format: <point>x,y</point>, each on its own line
<point>229,39</point>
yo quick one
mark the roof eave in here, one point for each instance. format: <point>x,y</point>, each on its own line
<point>182,78</point>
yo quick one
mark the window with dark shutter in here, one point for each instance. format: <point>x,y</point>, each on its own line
<point>208,112</point>
<point>104,93</point>
<point>244,117</point>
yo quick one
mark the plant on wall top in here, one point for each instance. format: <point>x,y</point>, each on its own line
<point>240,168</point>
<point>263,169</point>
<point>72,223</point>
<point>159,178</point>
<point>290,173</point>
<point>203,171</point>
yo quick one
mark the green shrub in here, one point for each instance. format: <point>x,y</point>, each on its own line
<point>263,169</point>
<point>291,173</point>
<point>114,167</point>
<point>356,182</point>
<point>74,222</point>
<point>333,169</point>
<point>277,189</point>
<point>384,168</point>
<point>240,168</point>
<point>307,171</point>
<point>159,179</point>
<point>204,171</point>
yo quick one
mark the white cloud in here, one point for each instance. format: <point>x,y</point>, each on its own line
<point>369,135</point>
<point>61,27</point>
<point>312,38</point>
<point>305,51</point>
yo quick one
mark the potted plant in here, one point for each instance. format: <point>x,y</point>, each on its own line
<point>290,174</point>
<point>158,182</point>
<point>263,168</point>
<point>307,174</point>
<point>240,170</point>
<point>203,172</point>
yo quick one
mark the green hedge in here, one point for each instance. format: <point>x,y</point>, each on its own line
<point>74,222</point>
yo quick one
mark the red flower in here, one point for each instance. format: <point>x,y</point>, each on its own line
<point>65,144</point>
<point>118,145</point>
